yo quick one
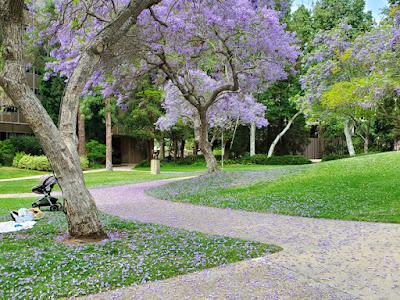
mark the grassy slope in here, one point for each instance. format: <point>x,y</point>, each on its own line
<point>9,172</point>
<point>362,188</point>
<point>35,264</point>
<point>92,180</point>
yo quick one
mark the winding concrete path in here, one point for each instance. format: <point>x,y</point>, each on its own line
<point>322,259</point>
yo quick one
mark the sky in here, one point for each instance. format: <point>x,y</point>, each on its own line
<point>373,5</point>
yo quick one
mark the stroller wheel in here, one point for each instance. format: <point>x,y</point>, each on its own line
<point>60,207</point>
<point>35,205</point>
<point>54,208</point>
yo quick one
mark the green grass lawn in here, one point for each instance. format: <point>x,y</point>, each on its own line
<point>92,180</point>
<point>9,172</point>
<point>36,264</point>
<point>362,188</point>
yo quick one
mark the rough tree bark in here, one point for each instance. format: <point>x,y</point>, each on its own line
<point>195,148</point>
<point>162,148</point>
<point>349,140</point>
<point>282,133</point>
<point>201,130</point>
<point>253,139</point>
<point>109,163</point>
<point>80,207</point>
<point>60,144</point>
<point>81,134</point>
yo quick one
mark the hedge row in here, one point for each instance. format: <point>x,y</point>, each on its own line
<point>258,159</point>
<point>39,162</point>
<point>263,159</point>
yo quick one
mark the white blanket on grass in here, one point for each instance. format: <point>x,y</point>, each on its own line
<point>14,226</point>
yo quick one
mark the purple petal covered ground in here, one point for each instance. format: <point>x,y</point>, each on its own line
<point>322,259</point>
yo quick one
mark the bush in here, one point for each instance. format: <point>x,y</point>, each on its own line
<point>334,157</point>
<point>84,162</point>
<point>96,152</point>
<point>17,158</point>
<point>26,143</point>
<point>7,152</point>
<point>40,163</point>
<point>262,159</point>
<point>143,164</point>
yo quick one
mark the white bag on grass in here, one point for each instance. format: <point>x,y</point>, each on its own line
<point>22,215</point>
<point>14,226</point>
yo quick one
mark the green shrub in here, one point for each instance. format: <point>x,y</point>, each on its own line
<point>96,152</point>
<point>7,152</point>
<point>84,162</point>
<point>39,162</point>
<point>262,159</point>
<point>143,164</point>
<point>232,162</point>
<point>17,158</point>
<point>26,143</point>
<point>334,157</point>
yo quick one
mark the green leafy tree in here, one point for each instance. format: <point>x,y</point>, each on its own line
<point>327,14</point>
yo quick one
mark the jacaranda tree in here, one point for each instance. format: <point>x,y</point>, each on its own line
<point>213,55</point>
<point>110,22</point>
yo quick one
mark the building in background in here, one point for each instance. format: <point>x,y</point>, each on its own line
<point>11,120</point>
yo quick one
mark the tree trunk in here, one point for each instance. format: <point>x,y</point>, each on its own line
<point>80,207</point>
<point>282,133</point>
<point>348,135</point>
<point>397,145</point>
<point>175,149</point>
<point>109,164</point>
<point>195,148</point>
<point>227,150</point>
<point>253,139</point>
<point>81,135</point>
<point>150,149</point>
<point>183,148</point>
<point>201,127</point>
<point>366,144</point>
<point>367,136</point>
<point>162,148</point>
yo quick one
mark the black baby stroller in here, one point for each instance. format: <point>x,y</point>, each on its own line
<point>47,184</point>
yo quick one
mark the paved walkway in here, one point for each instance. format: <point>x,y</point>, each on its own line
<point>322,259</point>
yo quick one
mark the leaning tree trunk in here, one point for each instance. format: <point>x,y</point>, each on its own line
<point>80,207</point>
<point>282,133</point>
<point>349,140</point>
<point>109,164</point>
<point>201,128</point>
<point>81,135</point>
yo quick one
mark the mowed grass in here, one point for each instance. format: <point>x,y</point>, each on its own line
<point>36,264</point>
<point>362,188</point>
<point>10,172</point>
<point>95,179</point>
